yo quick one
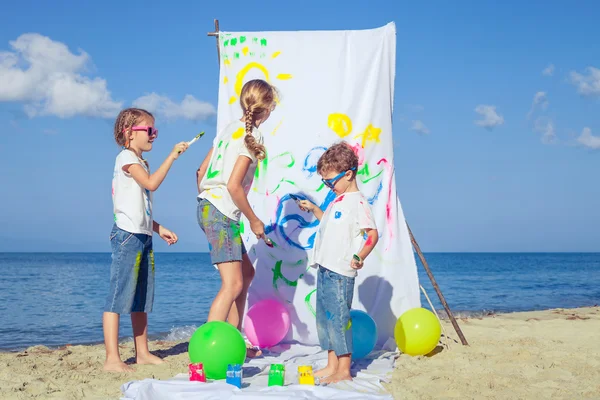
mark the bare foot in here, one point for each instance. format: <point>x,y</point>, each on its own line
<point>117,366</point>
<point>337,377</point>
<point>149,359</point>
<point>323,372</point>
<point>252,352</point>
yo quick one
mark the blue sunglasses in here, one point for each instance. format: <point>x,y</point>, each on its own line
<point>330,183</point>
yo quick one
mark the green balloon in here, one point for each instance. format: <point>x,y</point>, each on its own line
<point>217,344</point>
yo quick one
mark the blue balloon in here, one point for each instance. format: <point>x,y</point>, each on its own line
<point>364,334</point>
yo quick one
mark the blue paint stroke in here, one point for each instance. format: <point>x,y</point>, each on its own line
<point>310,167</point>
<point>310,162</point>
<point>377,193</point>
<point>338,214</point>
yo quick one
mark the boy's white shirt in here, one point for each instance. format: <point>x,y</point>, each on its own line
<point>227,147</point>
<point>341,233</point>
<point>132,204</point>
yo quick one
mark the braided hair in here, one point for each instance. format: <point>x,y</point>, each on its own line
<point>257,99</point>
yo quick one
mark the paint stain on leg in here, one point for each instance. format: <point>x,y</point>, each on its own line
<point>349,325</point>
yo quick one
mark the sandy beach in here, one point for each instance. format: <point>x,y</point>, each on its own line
<point>541,354</point>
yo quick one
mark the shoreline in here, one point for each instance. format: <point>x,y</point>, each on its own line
<point>163,336</point>
<point>522,354</point>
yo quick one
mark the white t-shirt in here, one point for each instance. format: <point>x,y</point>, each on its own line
<point>227,147</point>
<point>341,233</point>
<point>132,204</point>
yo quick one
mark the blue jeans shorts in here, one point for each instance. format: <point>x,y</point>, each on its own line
<point>334,301</point>
<point>131,273</point>
<point>223,234</point>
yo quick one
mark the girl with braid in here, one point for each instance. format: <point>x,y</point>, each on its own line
<point>224,179</point>
<point>132,269</point>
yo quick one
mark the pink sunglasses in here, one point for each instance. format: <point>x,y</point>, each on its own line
<point>150,130</point>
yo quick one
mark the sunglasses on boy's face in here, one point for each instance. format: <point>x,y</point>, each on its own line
<point>330,183</point>
<point>150,130</point>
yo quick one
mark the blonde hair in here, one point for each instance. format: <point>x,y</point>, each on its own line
<point>126,119</point>
<point>257,99</point>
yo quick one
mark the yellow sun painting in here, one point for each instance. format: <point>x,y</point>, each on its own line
<point>243,51</point>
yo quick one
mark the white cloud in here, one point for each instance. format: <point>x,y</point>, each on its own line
<point>588,140</point>
<point>545,127</point>
<point>419,127</point>
<point>540,100</point>
<point>490,119</point>
<point>549,70</point>
<point>189,108</point>
<point>48,78</point>
<point>588,83</point>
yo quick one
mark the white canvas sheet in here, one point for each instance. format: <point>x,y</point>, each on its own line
<point>369,373</point>
<point>334,85</point>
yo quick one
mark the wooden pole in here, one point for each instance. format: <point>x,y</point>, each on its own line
<point>437,288</point>
<point>216,35</point>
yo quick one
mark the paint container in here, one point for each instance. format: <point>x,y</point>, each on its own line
<point>305,375</point>
<point>234,375</point>
<point>196,372</point>
<point>276,375</point>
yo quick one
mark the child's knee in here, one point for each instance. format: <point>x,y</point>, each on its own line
<point>248,273</point>
<point>234,287</point>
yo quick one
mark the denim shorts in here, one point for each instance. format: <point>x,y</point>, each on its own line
<point>131,273</point>
<point>334,301</point>
<point>223,234</point>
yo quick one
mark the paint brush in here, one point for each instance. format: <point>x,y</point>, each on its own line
<point>191,142</point>
<point>198,136</point>
<point>268,241</point>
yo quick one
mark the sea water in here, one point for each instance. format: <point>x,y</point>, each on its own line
<point>58,298</point>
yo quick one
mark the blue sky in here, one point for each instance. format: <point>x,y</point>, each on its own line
<point>523,179</point>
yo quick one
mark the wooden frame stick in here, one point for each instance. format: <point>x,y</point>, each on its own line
<point>216,35</point>
<point>437,288</point>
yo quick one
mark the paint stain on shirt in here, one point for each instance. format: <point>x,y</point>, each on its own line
<point>338,214</point>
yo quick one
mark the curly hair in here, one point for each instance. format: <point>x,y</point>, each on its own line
<point>340,157</point>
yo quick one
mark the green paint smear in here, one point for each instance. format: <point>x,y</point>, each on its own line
<point>242,39</point>
<point>241,226</point>
<point>277,275</point>
<point>255,40</point>
<point>263,42</point>
<point>226,43</point>
<point>219,145</point>
<point>235,229</point>
<point>233,41</point>
<point>152,260</point>
<point>308,305</point>
<point>210,173</point>
<point>280,182</point>
<point>287,153</point>
<point>321,187</point>
<point>236,55</point>
<point>365,171</point>
<point>136,267</point>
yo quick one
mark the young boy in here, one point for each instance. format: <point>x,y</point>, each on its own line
<point>347,234</point>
